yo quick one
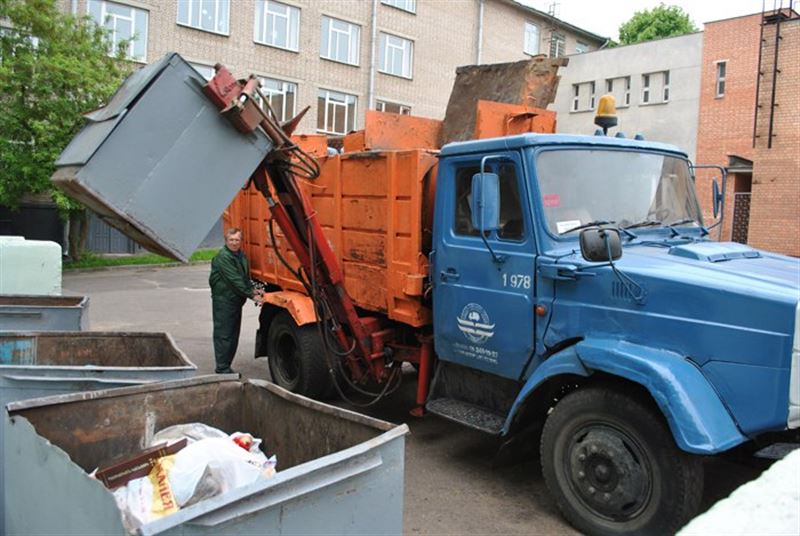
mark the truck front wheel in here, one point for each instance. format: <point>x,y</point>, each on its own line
<point>296,358</point>
<point>613,467</point>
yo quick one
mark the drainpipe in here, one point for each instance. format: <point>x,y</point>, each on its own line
<point>372,57</point>
<point>480,33</point>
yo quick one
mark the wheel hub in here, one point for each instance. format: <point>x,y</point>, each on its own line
<point>608,473</point>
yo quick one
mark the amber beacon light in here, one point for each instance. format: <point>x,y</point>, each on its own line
<point>606,116</point>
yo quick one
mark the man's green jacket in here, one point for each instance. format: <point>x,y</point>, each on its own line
<point>230,277</point>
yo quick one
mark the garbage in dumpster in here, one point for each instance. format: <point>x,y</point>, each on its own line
<point>199,462</point>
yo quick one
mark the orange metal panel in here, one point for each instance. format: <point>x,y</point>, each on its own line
<point>299,305</point>
<point>314,144</point>
<point>494,119</point>
<point>387,131</point>
<point>372,207</point>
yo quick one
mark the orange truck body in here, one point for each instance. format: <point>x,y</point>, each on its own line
<point>375,204</point>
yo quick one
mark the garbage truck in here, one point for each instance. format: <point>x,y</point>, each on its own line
<point>557,291</point>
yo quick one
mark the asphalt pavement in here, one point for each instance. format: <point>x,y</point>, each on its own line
<point>453,483</point>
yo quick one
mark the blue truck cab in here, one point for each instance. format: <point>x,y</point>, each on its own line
<point>629,367</point>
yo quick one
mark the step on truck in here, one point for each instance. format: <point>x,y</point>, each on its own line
<point>553,290</point>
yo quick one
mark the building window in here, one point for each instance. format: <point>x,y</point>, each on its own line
<point>581,48</point>
<point>576,97</point>
<point>397,55</point>
<point>558,44</point>
<point>583,96</point>
<point>208,15</point>
<point>405,5</point>
<point>281,97</point>
<point>127,26</point>
<point>655,87</point>
<point>277,25</point>
<point>531,45</point>
<point>620,88</point>
<point>627,99</point>
<point>392,108</point>
<point>340,41</point>
<point>336,112</point>
<point>720,85</point>
<point>206,71</point>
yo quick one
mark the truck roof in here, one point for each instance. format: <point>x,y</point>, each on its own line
<point>539,140</point>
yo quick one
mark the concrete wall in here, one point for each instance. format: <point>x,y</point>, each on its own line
<point>674,121</point>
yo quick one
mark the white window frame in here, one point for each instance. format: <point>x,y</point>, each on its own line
<point>193,5</point>
<point>665,87</point>
<point>402,46</point>
<point>381,104</point>
<point>349,122</point>
<point>532,36</point>
<point>721,79</point>
<point>351,38</point>
<point>627,90</point>
<point>409,6</point>
<point>206,71</point>
<point>264,33</point>
<point>558,44</point>
<point>576,97</point>
<point>135,32</point>
<point>581,47</point>
<point>284,114</point>
<point>592,89</point>
<point>646,88</point>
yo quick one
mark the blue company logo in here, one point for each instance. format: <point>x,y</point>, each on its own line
<point>474,324</point>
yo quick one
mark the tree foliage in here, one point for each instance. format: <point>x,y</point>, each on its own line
<point>659,22</point>
<point>54,67</point>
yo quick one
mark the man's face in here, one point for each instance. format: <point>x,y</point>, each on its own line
<point>234,242</point>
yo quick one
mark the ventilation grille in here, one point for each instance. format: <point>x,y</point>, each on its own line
<point>619,291</point>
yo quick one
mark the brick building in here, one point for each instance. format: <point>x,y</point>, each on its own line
<point>344,56</point>
<point>737,107</point>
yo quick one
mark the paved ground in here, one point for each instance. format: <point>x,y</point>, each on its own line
<point>452,485</point>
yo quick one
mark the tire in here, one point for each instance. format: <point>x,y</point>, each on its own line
<point>612,466</point>
<point>296,358</point>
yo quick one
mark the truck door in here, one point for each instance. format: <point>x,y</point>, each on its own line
<point>483,309</point>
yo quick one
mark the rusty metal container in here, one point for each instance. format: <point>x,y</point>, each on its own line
<point>338,472</point>
<point>34,364</point>
<point>44,313</point>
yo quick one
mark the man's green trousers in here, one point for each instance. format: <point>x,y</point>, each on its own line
<point>227,316</point>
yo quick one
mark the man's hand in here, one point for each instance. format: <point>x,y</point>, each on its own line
<point>258,296</point>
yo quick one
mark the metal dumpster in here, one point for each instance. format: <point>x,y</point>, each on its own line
<point>338,472</point>
<point>159,162</point>
<point>44,313</point>
<point>36,364</point>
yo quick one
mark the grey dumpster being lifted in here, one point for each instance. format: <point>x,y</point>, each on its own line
<point>44,313</point>
<point>159,162</point>
<point>37,364</point>
<point>338,472</point>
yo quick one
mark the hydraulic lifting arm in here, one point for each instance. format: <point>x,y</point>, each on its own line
<point>291,210</point>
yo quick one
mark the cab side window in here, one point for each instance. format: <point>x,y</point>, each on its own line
<point>511,220</point>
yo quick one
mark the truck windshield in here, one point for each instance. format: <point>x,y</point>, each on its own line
<point>627,188</point>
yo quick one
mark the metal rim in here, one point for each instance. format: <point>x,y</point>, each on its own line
<point>286,360</point>
<point>608,471</point>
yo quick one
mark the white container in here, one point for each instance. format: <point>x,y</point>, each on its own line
<point>31,267</point>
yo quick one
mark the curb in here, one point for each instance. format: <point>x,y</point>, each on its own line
<point>130,267</point>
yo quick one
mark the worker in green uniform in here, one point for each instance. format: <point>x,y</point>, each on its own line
<point>230,289</point>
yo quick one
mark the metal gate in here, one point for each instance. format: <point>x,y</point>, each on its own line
<point>103,238</point>
<point>741,217</point>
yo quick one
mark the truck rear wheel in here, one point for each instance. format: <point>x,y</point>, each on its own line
<point>613,467</point>
<point>296,358</point>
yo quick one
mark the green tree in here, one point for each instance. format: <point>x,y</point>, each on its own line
<point>54,67</point>
<point>661,21</point>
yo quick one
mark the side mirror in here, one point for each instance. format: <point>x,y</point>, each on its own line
<point>716,195</point>
<point>485,202</point>
<point>600,244</point>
